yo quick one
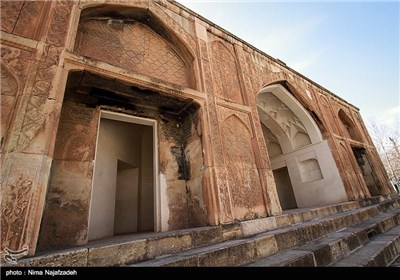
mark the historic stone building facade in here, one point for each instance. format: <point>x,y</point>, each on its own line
<point>141,116</point>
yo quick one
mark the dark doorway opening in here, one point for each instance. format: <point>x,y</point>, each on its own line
<point>369,176</point>
<point>284,188</point>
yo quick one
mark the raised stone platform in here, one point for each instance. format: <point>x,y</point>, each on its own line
<point>363,233</point>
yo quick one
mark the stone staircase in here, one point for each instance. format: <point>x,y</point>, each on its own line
<point>363,233</point>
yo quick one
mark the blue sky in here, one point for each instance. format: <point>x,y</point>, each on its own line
<point>350,48</point>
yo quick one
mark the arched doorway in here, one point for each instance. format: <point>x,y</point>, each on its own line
<point>304,169</point>
<point>360,154</point>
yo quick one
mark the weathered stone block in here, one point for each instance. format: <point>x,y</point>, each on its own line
<point>283,220</point>
<point>386,224</point>
<point>117,254</point>
<point>320,229</point>
<point>322,253</point>
<point>266,246</point>
<point>356,240</point>
<point>186,262</point>
<point>341,221</point>
<point>206,236</point>
<point>384,253</point>
<point>349,206</point>
<point>168,245</point>
<point>68,258</point>
<point>307,260</point>
<point>68,199</point>
<point>296,218</point>
<point>258,225</point>
<point>231,231</point>
<point>232,255</point>
<point>292,237</point>
<point>368,213</point>
<point>287,258</point>
<point>308,215</point>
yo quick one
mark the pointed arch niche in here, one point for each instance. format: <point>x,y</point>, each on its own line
<point>136,40</point>
<point>304,169</point>
<point>243,179</point>
<point>350,129</point>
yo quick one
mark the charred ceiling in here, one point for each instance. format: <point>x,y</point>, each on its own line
<point>94,90</point>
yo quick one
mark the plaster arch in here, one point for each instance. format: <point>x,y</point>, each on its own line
<point>306,163</point>
<point>284,96</point>
<point>276,130</point>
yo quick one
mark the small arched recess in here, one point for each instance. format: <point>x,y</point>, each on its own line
<point>350,129</point>
<point>304,169</point>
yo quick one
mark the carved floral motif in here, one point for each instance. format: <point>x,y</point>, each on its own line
<point>16,60</point>
<point>58,29</point>
<point>35,115</point>
<point>28,19</point>
<point>226,79</point>
<point>9,14</point>
<point>243,178</point>
<point>9,87</point>
<point>12,223</point>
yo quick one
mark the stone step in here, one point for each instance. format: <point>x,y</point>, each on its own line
<point>269,243</point>
<point>294,216</point>
<point>131,248</point>
<point>376,199</point>
<point>292,228</point>
<point>333,247</point>
<point>382,250</point>
<point>230,253</point>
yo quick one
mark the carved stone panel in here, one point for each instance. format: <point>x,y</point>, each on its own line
<point>206,67</point>
<point>29,18</point>
<point>327,115</point>
<point>70,184</point>
<point>59,19</point>
<point>14,67</point>
<point>23,184</point>
<point>9,87</point>
<point>226,79</point>
<point>243,177</point>
<point>39,108</point>
<point>9,14</point>
<point>17,61</point>
<point>349,172</point>
<point>14,208</point>
<point>135,47</point>
<point>36,109</point>
<point>76,139</point>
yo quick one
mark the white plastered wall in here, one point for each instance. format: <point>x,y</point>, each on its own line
<point>117,140</point>
<point>309,188</point>
<point>312,169</point>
